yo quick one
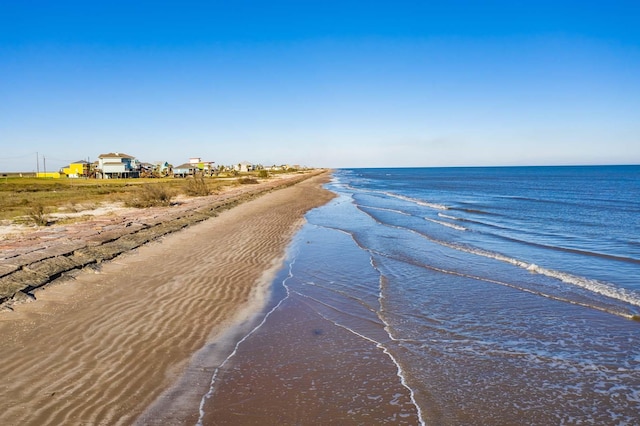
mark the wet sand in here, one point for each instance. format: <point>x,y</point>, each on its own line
<point>301,369</point>
<point>101,348</point>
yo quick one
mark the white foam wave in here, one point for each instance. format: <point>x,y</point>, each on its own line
<point>386,210</point>
<point>417,201</point>
<point>595,286</point>
<point>447,224</point>
<point>599,287</point>
<point>446,216</point>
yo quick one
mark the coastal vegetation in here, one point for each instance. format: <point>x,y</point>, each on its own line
<point>33,200</point>
<point>248,180</point>
<point>197,187</point>
<point>38,215</point>
<point>150,195</point>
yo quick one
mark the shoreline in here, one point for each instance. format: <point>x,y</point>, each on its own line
<point>176,403</point>
<point>35,258</point>
<point>96,349</point>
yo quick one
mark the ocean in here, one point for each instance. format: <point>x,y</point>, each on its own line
<point>487,296</point>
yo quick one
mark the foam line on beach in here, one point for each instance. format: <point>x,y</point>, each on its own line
<point>379,345</point>
<point>386,326</point>
<point>210,393</point>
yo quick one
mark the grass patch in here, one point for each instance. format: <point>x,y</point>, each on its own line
<point>247,181</point>
<point>196,187</point>
<point>38,215</point>
<point>150,195</point>
<point>19,196</point>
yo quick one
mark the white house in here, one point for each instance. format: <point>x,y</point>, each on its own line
<point>117,165</point>
<point>244,167</point>
<point>195,165</point>
<point>184,170</point>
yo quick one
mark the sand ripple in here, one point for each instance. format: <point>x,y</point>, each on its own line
<point>101,348</point>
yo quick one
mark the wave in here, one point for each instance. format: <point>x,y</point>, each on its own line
<point>474,211</point>
<point>416,201</point>
<point>594,286</point>
<point>478,222</point>
<point>439,222</point>
<point>562,249</point>
<point>612,203</point>
<point>537,244</point>
<point>506,237</point>
<point>446,216</point>
<point>447,224</point>
<point>384,209</point>
<point>535,268</point>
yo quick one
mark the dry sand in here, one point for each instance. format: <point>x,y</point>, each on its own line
<point>101,348</point>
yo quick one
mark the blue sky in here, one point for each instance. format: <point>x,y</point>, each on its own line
<point>321,83</point>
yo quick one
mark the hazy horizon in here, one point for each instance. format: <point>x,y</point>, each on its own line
<point>327,84</point>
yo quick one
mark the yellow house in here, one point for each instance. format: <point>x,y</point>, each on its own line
<point>54,175</point>
<point>77,169</point>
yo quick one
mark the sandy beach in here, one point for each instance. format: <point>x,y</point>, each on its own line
<point>103,346</point>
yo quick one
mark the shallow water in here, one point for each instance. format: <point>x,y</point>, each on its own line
<point>453,296</point>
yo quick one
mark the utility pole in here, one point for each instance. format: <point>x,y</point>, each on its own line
<point>44,164</point>
<point>37,164</point>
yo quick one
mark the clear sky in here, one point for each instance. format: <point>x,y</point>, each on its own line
<point>320,83</point>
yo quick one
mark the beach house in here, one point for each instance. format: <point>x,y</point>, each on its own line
<point>117,165</point>
<point>244,167</point>
<point>77,169</point>
<point>193,167</point>
<point>184,170</point>
<point>162,168</point>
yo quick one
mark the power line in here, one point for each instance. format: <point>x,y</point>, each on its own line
<point>16,157</point>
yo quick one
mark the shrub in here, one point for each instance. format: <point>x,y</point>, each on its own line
<point>263,174</point>
<point>38,215</point>
<point>247,180</point>
<point>196,187</point>
<point>150,195</point>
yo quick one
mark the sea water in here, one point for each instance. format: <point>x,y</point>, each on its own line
<point>455,296</point>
